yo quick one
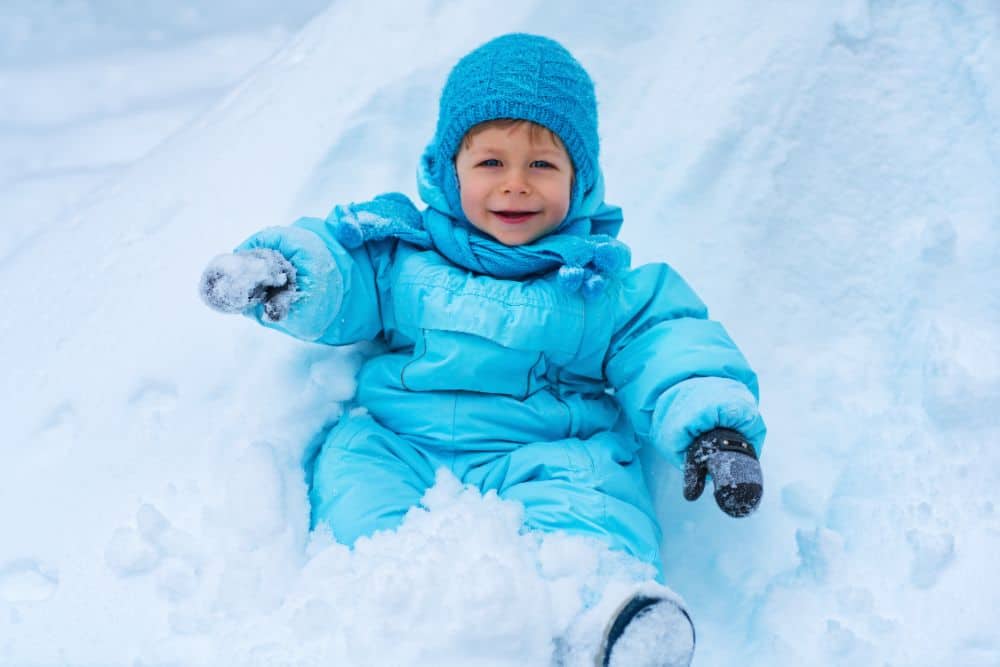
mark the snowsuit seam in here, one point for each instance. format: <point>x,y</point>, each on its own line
<point>531,373</point>
<point>593,473</point>
<point>402,371</point>
<point>378,292</point>
<point>571,426</point>
<point>523,303</point>
<point>346,447</point>
<point>622,337</point>
<point>614,350</point>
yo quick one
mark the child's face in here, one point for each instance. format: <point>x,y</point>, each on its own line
<point>514,190</point>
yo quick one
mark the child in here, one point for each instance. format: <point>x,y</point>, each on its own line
<point>521,352</point>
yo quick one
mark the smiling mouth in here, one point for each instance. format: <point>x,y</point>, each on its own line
<point>515,217</point>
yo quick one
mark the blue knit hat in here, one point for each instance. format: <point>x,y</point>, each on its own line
<point>524,77</point>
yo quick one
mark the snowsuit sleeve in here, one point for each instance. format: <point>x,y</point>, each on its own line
<point>338,300</point>
<point>675,372</point>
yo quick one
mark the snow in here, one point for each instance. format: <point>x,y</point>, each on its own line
<point>824,174</point>
<point>234,282</point>
<point>658,636</point>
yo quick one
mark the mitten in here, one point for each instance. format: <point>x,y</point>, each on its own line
<point>732,462</point>
<point>237,282</point>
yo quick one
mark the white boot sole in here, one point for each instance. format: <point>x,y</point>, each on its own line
<point>661,635</point>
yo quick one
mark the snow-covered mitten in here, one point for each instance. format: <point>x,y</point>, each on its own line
<point>237,282</point>
<point>732,462</point>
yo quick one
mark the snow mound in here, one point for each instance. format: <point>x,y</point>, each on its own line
<point>823,174</point>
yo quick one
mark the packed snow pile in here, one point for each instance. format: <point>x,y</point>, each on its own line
<point>824,174</point>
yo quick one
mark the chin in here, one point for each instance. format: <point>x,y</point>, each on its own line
<point>510,243</point>
<point>516,239</point>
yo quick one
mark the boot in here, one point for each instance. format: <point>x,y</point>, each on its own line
<point>648,631</point>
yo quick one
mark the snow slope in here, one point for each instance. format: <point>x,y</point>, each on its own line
<point>823,173</point>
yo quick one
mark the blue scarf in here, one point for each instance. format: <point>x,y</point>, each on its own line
<point>583,249</point>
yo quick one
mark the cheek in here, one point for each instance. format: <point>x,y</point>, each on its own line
<point>467,197</point>
<point>470,200</point>
<point>563,194</point>
<point>471,191</point>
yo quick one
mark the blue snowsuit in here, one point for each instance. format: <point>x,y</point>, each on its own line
<point>516,386</point>
<point>523,386</point>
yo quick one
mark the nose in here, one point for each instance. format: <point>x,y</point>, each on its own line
<point>516,183</point>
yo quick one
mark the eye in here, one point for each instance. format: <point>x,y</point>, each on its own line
<point>543,164</point>
<point>492,162</point>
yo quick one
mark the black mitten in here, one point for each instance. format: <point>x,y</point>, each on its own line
<point>238,281</point>
<point>732,462</point>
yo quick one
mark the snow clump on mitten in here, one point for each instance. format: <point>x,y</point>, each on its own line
<point>236,282</point>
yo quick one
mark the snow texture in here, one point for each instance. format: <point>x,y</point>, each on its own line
<point>733,469</point>
<point>738,482</point>
<point>659,636</point>
<point>237,282</point>
<point>823,173</point>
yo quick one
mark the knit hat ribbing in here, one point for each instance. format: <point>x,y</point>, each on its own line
<point>524,77</point>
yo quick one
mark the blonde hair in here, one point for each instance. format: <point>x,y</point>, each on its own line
<point>535,131</point>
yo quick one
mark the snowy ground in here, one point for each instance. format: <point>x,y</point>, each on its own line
<point>825,174</point>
